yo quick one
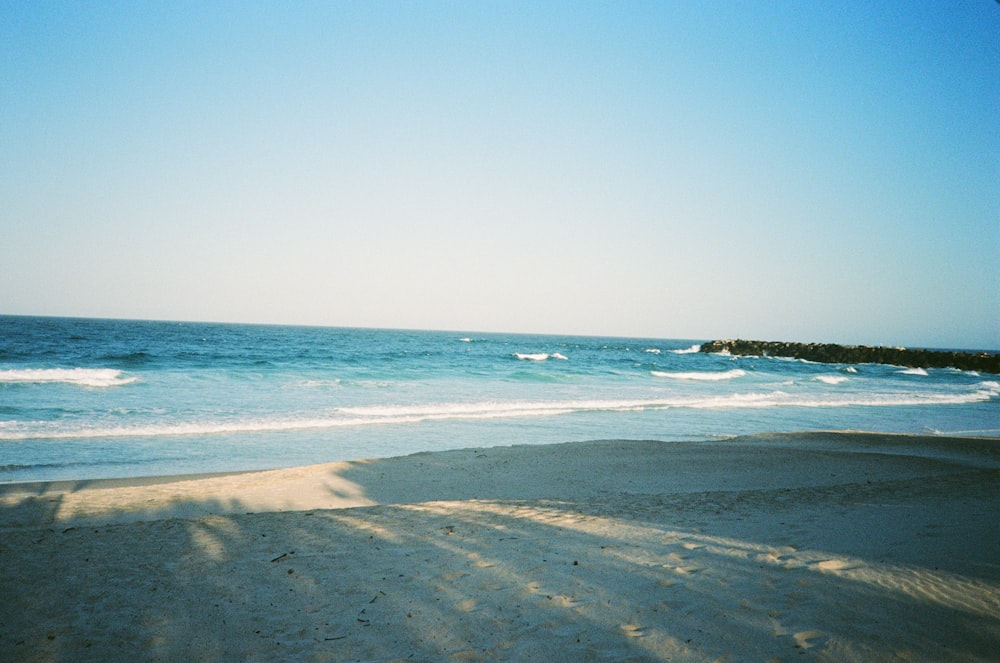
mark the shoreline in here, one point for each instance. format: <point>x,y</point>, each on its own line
<point>835,545</point>
<point>384,481</point>
<point>950,440</point>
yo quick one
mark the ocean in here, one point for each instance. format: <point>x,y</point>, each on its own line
<point>90,398</point>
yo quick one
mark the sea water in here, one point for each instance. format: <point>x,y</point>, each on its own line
<point>83,399</point>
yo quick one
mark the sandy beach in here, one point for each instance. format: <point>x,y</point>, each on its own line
<point>783,547</point>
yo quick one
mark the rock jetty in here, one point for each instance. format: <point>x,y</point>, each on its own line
<point>860,354</point>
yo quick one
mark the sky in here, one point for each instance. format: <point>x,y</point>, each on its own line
<point>806,171</point>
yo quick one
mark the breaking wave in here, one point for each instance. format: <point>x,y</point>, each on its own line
<point>411,414</point>
<point>539,356</point>
<point>693,349</point>
<point>701,375</point>
<point>84,377</point>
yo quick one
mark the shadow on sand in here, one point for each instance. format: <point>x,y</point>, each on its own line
<point>847,570</point>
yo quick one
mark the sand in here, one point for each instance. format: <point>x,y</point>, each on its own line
<point>790,547</point>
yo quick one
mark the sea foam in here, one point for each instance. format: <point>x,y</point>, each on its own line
<point>539,356</point>
<point>373,415</point>
<point>688,351</point>
<point>990,387</point>
<point>85,377</point>
<point>701,375</point>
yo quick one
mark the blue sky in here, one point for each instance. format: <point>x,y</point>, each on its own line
<point>808,171</point>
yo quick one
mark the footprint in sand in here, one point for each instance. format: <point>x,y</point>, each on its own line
<point>632,630</point>
<point>768,558</point>
<point>835,565</point>
<point>562,600</point>
<point>681,565</point>
<point>687,570</point>
<point>809,639</point>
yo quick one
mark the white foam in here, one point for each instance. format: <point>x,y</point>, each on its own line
<point>539,356</point>
<point>416,413</point>
<point>654,351</point>
<point>989,387</point>
<point>912,371</point>
<point>85,377</point>
<point>711,376</point>
<point>465,340</point>
<point>850,369</point>
<point>335,382</point>
<point>832,379</point>
<point>984,432</point>
<point>693,349</point>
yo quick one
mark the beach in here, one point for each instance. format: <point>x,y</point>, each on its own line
<point>772,547</point>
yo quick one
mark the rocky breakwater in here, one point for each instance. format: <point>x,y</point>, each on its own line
<point>860,354</point>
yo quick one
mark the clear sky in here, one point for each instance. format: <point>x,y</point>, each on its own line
<point>812,171</point>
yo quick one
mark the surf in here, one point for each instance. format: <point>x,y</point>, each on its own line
<point>84,377</point>
<point>408,414</point>
<point>540,356</point>
<point>694,349</point>
<point>701,375</point>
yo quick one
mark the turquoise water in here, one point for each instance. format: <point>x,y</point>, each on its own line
<point>110,398</point>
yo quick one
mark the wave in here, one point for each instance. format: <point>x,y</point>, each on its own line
<point>85,377</point>
<point>693,349</point>
<point>978,432</point>
<point>711,376</point>
<point>989,386</point>
<point>483,410</point>
<point>832,379</point>
<point>913,371</point>
<point>335,382</point>
<point>539,356</point>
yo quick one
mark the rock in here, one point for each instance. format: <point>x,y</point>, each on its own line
<point>859,354</point>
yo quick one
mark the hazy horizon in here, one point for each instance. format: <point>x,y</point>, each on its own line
<point>693,339</point>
